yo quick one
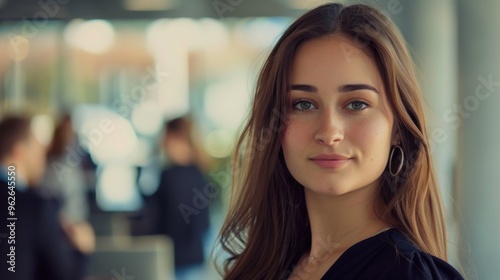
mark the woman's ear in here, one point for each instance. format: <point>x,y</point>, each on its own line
<point>396,136</point>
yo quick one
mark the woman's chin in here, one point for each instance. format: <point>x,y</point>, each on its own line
<point>329,190</point>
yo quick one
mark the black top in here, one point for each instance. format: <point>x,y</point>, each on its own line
<point>41,250</point>
<point>183,200</point>
<point>389,255</point>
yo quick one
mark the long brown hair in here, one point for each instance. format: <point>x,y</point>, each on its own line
<point>267,228</point>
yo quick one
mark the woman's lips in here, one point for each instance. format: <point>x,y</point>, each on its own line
<point>330,161</point>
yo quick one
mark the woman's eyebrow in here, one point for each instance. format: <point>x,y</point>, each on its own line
<point>354,87</point>
<point>342,88</point>
<point>307,88</point>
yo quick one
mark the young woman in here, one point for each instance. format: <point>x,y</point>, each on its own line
<point>333,172</point>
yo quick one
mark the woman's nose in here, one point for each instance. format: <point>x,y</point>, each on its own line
<point>330,129</point>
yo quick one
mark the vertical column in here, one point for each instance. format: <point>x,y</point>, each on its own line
<point>478,115</point>
<point>16,86</point>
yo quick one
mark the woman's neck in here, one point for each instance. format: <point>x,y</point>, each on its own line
<point>338,222</point>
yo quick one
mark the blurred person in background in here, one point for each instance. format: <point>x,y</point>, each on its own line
<point>64,179</point>
<point>182,206</point>
<point>43,248</point>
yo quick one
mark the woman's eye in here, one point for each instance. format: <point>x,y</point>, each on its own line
<point>303,105</point>
<point>357,105</point>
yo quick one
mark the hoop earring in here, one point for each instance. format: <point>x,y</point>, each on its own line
<point>400,166</point>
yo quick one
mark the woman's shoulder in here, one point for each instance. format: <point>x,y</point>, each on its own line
<point>401,259</point>
<point>390,255</point>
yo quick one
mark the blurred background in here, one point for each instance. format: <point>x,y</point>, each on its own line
<point>118,70</point>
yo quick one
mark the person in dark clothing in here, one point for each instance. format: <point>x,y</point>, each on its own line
<point>37,246</point>
<point>183,199</point>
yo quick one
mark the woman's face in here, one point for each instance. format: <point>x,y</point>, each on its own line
<point>339,126</point>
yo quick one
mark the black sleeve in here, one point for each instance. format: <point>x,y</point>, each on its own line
<point>57,257</point>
